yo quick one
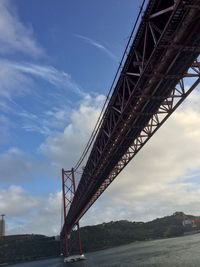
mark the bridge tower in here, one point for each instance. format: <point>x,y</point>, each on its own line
<point>68,192</point>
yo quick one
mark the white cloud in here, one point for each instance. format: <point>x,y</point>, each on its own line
<point>160,179</point>
<point>14,165</point>
<point>150,203</point>
<point>48,212</point>
<point>14,201</point>
<point>53,102</point>
<point>14,35</point>
<point>13,83</point>
<point>47,73</point>
<point>97,45</point>
<point>30,214</point>
<point>23,79</point>
<point>157,181</point>
<point>65,148</point>
<point>17,78</point>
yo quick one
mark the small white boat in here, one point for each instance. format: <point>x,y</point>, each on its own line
<point>75,258</point>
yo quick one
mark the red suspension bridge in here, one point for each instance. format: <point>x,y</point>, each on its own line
<point>159,69</point>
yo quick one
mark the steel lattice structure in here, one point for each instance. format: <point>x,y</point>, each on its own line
<point>68,190</point>
<point>160,71</point>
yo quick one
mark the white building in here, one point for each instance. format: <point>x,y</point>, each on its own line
<point>2,226</point>
<point>187,222</point>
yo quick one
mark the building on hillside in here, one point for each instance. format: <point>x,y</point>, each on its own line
<point>194,223</point>
<point>2,225</point>
<point>187,222</point>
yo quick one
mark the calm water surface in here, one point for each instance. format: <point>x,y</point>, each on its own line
<point>173,252</point>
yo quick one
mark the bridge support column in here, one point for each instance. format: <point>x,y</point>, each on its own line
<point>68,192</point>
<point>64,240</point>
<point>79,239</point>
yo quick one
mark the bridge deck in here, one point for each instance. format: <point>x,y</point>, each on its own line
<point>150,87</point>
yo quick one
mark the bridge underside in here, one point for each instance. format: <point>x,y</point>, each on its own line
<point>160,71</point>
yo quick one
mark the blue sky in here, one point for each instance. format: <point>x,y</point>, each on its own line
<point>80,43</point>
<point>58,60</point>
<point>75,51</point>
<point>57,28</point>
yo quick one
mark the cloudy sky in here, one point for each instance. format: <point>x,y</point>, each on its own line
<point>57,63</point>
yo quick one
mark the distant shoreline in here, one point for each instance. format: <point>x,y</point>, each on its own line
<point>25,248</point>
<point>99,250</point>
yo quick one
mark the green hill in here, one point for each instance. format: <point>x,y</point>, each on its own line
<point>17,248</point>
<point>31,247</point>
<point>123,232</point>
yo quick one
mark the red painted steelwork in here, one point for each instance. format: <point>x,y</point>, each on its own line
<point>68,191</point>
<point>152,84</point>
<point>65,244</point>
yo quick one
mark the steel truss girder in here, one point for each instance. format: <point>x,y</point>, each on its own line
<point>168,106</point>
<point>150,87</point>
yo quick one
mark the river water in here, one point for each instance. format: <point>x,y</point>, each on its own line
<point>172,252</point>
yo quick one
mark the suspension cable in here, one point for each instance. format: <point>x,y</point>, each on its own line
<point>100,118</point>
